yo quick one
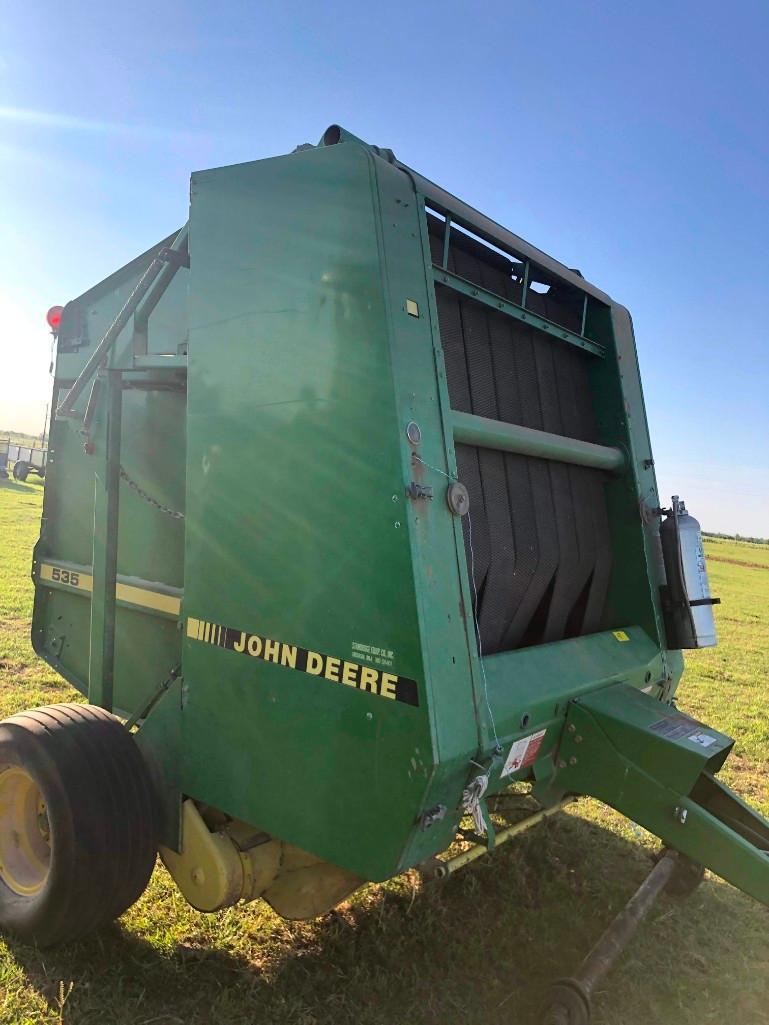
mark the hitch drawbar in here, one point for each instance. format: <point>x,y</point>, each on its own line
<point>569,1000</point>
<point>657,766</point>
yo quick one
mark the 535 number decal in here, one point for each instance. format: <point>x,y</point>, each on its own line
<point>65,576</point>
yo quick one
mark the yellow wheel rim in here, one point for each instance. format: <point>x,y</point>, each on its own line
<point>25,840</point>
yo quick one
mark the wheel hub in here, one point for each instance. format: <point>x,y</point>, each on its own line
<point>25,837</point>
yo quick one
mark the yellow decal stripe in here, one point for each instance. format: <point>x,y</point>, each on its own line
<point>144,597</point>
<point>149,599</point>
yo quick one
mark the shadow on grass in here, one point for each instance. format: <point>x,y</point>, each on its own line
<point>481,947</point>
<point>15,485</point>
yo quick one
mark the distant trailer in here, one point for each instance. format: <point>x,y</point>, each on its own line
<point>4,444</point>
<point>25,459</point>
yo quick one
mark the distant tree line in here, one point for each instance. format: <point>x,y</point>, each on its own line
<point>736,537</point>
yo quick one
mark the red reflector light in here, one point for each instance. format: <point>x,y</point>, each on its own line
<point>53,316</point>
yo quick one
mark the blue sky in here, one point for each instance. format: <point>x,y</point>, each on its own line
<point>629,140</point>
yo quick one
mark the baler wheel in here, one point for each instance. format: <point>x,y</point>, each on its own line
<point>78,822</point>
<point>20,470</point>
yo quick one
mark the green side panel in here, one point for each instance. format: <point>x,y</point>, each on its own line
<point>539,682</point>
<point>153,451</point>
<point>296,530</point>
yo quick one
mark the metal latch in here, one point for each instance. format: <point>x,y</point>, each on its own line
<point>432,815</point>
<point>416,491</point>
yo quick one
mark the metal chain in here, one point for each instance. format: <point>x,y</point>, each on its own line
<point>148,498</point>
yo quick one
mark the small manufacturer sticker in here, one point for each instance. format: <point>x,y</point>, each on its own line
<point>620,635</point>
<point>523,753</point>
<point>372,653</point>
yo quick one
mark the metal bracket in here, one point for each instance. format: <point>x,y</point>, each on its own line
<point>157,694</point>
<point>175,257</point>
<point>431,816</point>
<point>657,766</point>
<point>417,491</point>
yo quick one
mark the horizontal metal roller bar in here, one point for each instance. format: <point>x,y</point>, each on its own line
<point>495,434</point>
<point>511,309</point>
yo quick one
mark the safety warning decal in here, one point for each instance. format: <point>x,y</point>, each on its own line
<point>703,739</point>
<point>523,753</point>
<point>314,663</point>
<point>680,727</point>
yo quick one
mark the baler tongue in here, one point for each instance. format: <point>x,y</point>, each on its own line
<point>657,765</point>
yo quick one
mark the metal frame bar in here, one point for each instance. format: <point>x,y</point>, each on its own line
<point>496,302</point>
<point>156,292</point>
<point>485,731</point>
<point>100,354</point>
<point>473,220</point>
<point>101,662</point>
<point>469,429</point>
<point>450,865</point>
<point>525,286</point>
<point>484,227</point>
<point>446,242</point>
<point>160,361</point>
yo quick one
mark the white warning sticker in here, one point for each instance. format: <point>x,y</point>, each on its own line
<point>523,753</point>
<point>703,739</point>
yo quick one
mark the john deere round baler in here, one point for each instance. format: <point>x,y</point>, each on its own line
<point>350,523</point>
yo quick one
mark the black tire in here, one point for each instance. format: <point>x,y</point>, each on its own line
<point>97,812</point>
<point>20,470</point>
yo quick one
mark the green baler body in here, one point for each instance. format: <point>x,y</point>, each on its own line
<point>300,648</point>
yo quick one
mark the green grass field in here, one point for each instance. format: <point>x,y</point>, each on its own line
<point>480,948</point>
